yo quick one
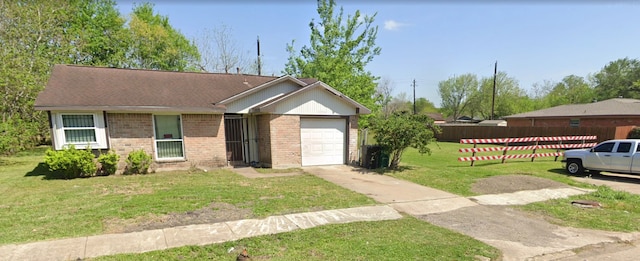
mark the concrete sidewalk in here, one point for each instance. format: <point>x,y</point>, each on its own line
<point>158,239</point>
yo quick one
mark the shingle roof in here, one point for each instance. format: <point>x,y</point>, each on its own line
<point>611,107</point>
<point>91,88</point>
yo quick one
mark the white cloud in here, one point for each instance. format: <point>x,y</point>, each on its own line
<point>392,25</point>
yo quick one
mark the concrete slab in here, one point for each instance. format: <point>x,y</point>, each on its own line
<point>63,249</point>
<point>249,172</point>
<point>425,207</point>
<point>258,227</point>
<point>136,242</point>
<point>527,196</point>
<point>6,252</point>
<point>623,182</point>
<point>198,235</point>
<point>381,188</point>
<point>339,216</point>
<point>372,213</point>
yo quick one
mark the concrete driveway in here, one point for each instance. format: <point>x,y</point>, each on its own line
<point>519,235</point>
<point>623,182</point>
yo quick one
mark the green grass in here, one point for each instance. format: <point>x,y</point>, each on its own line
<point>442,170</point>
<point>620,211</point>
<point>35,207</point>
<point>404,239</point>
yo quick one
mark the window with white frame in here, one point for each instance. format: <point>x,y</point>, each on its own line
<point>80,130</point>
<point>168,136</point>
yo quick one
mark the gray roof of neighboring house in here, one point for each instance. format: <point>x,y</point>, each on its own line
<point>611,107</point>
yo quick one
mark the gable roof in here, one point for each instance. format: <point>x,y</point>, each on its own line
<point>72,87</point>
<point>84,88</point>
<point>611,107</point>
<point>268,106</point>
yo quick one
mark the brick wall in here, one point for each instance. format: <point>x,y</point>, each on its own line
<point>264,139</point>
<point>584,122</point>
<point>129,132</point>
<point>353,141</point>
<point>204,140</point>
<point>285,141</point>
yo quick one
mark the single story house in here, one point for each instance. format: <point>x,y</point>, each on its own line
<point>612,112</point>
<point>187,119</point>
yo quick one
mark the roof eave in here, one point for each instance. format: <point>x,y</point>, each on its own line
<point>138,109</point>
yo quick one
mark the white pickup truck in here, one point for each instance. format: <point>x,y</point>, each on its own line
<point>618,156</point>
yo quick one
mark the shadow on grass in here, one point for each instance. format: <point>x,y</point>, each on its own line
<point>382,171</point>
<point>43,170</point>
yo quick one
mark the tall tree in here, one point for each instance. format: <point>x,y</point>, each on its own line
<point>339,52</point>
<point>620,78</point>
<point>509,97</point>
<point>98,34</point>
<point>157,45</point>
<point>456,94</point>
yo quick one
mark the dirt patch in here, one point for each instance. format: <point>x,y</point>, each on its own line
<point>513,183</point>
<point>214,213</point>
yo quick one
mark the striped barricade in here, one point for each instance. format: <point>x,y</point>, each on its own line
<point>507,141</point>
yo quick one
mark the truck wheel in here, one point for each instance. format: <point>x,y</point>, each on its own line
<point>574,167</point>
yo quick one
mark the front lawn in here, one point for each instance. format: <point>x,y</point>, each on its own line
<point>35,208</point>
<point>442,170</point>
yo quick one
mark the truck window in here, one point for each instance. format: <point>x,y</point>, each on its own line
<point>624,147</point>
<point>604,147</point>
<point>638,149</point>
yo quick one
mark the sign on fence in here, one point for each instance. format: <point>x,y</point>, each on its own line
<point>509,141</point>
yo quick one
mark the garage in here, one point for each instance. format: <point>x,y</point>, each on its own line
<point>322,141</point>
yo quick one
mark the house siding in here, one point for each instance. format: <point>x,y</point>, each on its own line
<point>285,141</point>
<point>244,104</point>
<point>317,101</point>
<point>584,121</point>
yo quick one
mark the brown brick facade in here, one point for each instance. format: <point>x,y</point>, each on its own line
<point>203,139</point>
<point>353,140</point>
<point>584,121</point>
<point>285,141</point>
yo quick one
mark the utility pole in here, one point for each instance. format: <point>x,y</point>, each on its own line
<point>259,63</point>
<point>414,96</point>
<point>493,97</point>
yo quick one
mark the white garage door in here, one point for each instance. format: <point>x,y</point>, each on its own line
<point>322,141</point>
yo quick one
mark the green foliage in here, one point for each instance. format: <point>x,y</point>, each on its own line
<point>72,162</point>
<point>109,162</point>
<point>634,133</point>
<point>138,162</point>
<point>17,135</point>
<point>401,131</point>
<point>619,78</point>
<point>456,93</point>
<point>157,45</point>
<point>509,97</point>
<point>339,52</point>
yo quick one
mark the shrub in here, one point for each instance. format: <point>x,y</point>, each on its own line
<point>72,162</point>
<point>634,133</point>
<point>138,161</point>
<point>109,162</point>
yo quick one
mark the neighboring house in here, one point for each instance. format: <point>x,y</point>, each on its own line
<point>437,117</point>
<point>187,119</point>
<point>612,112</point>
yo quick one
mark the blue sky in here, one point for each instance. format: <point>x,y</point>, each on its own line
<point>431,41</point>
